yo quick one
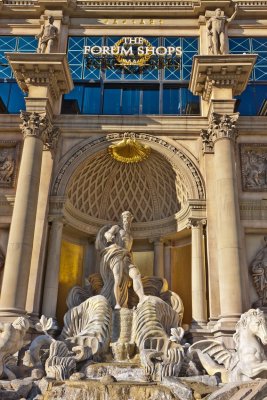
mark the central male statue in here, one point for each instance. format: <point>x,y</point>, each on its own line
<point>114,244</point>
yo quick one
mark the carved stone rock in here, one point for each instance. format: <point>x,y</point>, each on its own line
<point>258,270</point>
<point>254,167</point>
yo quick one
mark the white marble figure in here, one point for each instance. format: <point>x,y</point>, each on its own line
<point>12,339</point>
<point>114,244</point>
<point>47,36</point>
<point>249,359</point>
<point>216,26</point>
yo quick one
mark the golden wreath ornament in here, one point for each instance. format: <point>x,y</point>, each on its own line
<point>142,60</point>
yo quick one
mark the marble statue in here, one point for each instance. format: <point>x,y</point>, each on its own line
<point>249,359</point>
<point>114,244</point>
<point>216,26</point>
<point>47,36</point>
<point>12,339</point>
<point>258,269</point>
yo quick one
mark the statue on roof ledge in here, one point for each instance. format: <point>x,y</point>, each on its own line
<point>216,26</point>
<point>47,36</point>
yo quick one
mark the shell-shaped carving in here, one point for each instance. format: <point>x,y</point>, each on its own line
<point>160,356</point>
<point>89,324</point>
<point>60,363</point>
<point>78,295</point>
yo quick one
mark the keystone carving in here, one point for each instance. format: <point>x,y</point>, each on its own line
<point>221,126</point>
<point>35,125</point>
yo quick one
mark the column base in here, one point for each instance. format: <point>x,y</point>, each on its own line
<point>10,314</point>
<point>225,328</point>
<point>199,331</point>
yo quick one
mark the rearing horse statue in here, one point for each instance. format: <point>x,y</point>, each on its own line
<point>248,361</point>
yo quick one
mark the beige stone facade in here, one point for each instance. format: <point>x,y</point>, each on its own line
<point>199,200</point>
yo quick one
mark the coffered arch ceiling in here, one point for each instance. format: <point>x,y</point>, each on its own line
<point>96,188</point>
<point>103,188</point>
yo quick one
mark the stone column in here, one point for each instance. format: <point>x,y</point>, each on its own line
<point>45,77</point>
<point>223,128</point>
<point>52,271</point>
<point>199,296</point>
<point>158,268</point>
<point>41,226</point>
<point>18,258</point>
<point>167,262</point>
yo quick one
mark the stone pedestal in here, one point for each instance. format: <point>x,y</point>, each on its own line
<point>44,77</point>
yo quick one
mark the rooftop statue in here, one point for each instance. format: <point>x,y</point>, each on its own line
<point>47,36</point>
<point>216,26</point>
<point>114,244</point>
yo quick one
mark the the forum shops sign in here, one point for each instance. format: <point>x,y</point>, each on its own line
<point>132,52</point>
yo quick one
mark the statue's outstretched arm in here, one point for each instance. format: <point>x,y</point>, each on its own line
<point>234,14</point>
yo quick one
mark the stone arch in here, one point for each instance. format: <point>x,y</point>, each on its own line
<point>98,188</point>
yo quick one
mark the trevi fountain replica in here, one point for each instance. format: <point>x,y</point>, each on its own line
<point>123,338</point>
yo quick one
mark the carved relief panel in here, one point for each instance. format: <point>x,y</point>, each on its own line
<point>258,271</point>
<point>9,153</point>
<point>254,167</point>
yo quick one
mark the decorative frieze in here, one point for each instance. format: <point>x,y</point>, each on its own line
<point>258,270</point>
<point>254,167</point>
<point>9,153</point>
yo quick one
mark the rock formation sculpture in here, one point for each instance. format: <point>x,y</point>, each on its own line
<point>216,26</point>
<point>249,359</point>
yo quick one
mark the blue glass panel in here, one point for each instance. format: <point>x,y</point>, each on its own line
<point>252,99</point>
<point>189,102</point>
<point>17,100</point>
<point>8,43</point>
<point>12,97</point>
<point>112,100</point>
<point>76,43</point>
<point>27,44</point>
<point>171,101</point>
<point>91,103</point>
<point>130,100</point>
<point>150,101</point>
<point>76,95</point>
<point>239,45</point>
<point>259,44</point>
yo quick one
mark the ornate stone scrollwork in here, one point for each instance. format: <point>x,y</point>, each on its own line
<point>52,138</point>
<point>258,270</point>
<point>220,126</point>
<point>195,222</point>
<point>254,167</point>
<point>35,124</point>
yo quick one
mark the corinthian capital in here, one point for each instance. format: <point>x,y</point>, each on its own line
<point>34,125</point>
<point>223,126</point>
<point>195,222</point>
<point>52,138</point>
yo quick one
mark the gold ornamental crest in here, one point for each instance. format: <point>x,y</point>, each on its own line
<point>139,61</point>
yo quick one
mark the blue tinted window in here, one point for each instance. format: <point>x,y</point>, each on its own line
<point>112,101</point>
<point>131,100</point>
<point>151,101</point>
<point>11,98</point>
<point>130,90</point>
<point>252,99</point>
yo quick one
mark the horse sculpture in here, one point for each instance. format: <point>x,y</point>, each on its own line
<point>248,361</point>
